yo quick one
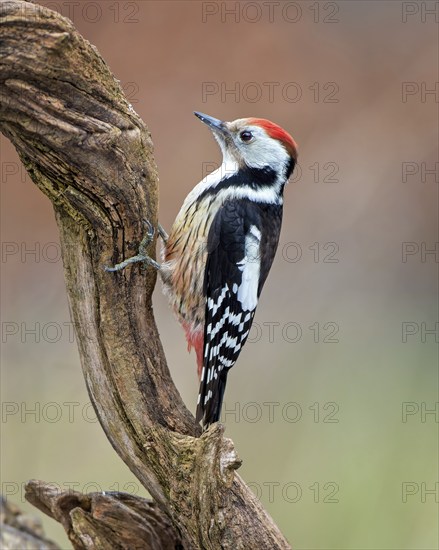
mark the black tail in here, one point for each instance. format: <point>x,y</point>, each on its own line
<point>209,411</point>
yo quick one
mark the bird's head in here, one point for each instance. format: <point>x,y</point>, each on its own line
<point>254,142</point>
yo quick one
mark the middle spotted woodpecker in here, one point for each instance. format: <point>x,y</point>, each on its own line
<point>221,247</point>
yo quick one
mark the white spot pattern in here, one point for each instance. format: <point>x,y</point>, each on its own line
<point>239,322</point>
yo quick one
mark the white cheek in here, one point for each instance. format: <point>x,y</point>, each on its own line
<point>264,152</point>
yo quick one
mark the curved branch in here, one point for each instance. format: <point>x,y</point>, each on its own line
<point>105,518</point>
<point>89,152</point>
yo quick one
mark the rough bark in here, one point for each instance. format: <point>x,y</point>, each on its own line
<point>89,152</point>
<point>105,520</point>
<point>20,530</point>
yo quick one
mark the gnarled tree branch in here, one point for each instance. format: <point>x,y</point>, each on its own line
<point>105,520</point>
<point>20,530</point>
<point>89,152</point>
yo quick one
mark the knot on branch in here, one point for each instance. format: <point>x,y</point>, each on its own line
<point>216,455</point>
<point>209,460</point>
<point>204,472</point>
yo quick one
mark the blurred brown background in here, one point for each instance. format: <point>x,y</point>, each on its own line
<point>329,403</point>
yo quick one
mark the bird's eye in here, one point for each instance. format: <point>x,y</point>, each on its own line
<point>246,136</point>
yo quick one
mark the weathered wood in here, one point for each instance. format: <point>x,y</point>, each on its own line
<point>105,520</point>
<point>89,152</point>
<point>20,530</point>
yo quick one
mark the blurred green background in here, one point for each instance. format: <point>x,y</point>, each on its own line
<point>329,403</point>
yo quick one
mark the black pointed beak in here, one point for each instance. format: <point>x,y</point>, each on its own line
<point>213,123</point>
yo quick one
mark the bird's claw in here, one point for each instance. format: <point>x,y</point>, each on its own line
<point>147,239</point>
<point>142,256</point>
<point>164,236</point>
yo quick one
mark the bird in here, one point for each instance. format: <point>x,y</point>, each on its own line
<point>221,246</point>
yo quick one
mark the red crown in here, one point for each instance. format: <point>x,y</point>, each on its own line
<point>276,132</point>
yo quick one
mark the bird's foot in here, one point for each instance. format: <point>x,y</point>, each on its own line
<point>142,256</point>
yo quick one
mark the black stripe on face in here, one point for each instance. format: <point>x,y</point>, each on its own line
<point>253,178</point>
<point>290,167</point>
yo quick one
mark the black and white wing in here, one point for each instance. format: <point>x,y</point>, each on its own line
<point>241,245</point>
